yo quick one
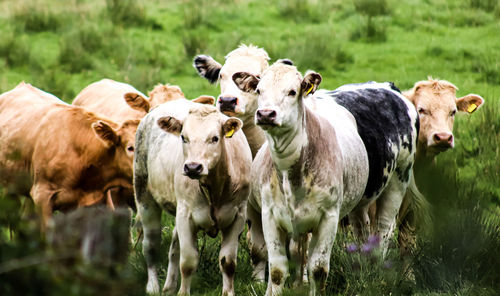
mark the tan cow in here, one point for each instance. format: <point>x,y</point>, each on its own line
<point>121,102</point>
<point>235,102</point>
<point>437,105</point>
<point>72,155</point>
<point>193,162</point>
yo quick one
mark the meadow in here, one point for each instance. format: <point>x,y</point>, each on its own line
<point>61,46</point>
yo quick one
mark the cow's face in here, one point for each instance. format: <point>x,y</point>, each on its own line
<point>280,92</point>
<point>232,101</point>
<point>121,140</point>
<point>436,104</point>
<point>202,134</point>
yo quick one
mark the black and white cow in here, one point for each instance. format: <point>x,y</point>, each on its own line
<point>387,124</point>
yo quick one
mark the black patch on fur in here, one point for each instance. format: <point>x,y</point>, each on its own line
<point>394,87</point>
<point>286,62</point>
<point>382,118</point>
<point>404,174</point>
<point>228,266</point>
<point>207,67</point>
<point>276,276</point>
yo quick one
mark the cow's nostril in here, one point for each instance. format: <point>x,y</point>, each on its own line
<point>272,115</point>
<point>193,168</point>
<point>437,138</point>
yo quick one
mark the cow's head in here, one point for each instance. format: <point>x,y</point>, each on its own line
<point>437,104</point>
<point>232,101</point>
<point>160,94</point>
<point>119,138</point>
<point>202,133</point>
<point>280,92</point>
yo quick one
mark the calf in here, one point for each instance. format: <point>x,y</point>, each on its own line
<point>235,102</point>
<point>121,102</point>
<point>193,162</point>
<point>315,168</point>
<point>72,155</point>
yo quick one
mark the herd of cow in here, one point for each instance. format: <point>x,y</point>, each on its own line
<point>275,151</point>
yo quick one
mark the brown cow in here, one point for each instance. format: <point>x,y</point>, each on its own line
<point>72,155</point>
<point>120,102</point>
<point>437,104</point>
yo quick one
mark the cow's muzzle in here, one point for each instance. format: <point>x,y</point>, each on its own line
<point>442,141</point>
<point>193,170</point>
<point>228,104</point>
<point>266,117</point>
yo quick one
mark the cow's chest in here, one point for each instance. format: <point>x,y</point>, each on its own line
<point>298,209</point>
<point>211,217</point>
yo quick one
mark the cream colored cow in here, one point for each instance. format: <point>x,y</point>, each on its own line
<point>235,102</point>
<point>193,162</point>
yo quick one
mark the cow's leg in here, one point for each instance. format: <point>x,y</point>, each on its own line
<point>43,198</point>
<point>320,249</point>
<point>188,248</point>
<point>256,244</point>
<point>151,223</point>
<point>388,205</point>
<point>360,221</point>
<point>228,253</point>
<point>173,265</point>
<point>298,254</point>
<point>276,250</point>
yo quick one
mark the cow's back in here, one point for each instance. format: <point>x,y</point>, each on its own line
<point>21,111</point>
<point>387,124</point>
<point>107,97</point>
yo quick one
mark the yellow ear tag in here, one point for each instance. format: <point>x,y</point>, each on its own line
<point>309,90</point>
<point>230,133</point>
<point>472,107</point>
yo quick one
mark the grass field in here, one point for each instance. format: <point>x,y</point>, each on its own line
<point>61,46</point>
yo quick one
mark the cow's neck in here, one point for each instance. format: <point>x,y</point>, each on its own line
<point>254,134</point>
<point>286,144</point>
<point>214,183</point>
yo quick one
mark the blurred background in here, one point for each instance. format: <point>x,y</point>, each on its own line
<point>61,46</point>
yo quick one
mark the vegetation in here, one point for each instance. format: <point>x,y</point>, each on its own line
<point>62,46</point>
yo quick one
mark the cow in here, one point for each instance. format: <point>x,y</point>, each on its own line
<point>357,148</point>
<point>72,156</point>
<point>193,162</point>
<point>120,102</point>
<point>437,105</point>
<point>234,102</point>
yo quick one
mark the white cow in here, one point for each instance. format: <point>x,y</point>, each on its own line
<point>235,102</point>
<point>193,162</point>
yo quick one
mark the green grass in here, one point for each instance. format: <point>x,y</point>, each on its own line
<point>62,46</point>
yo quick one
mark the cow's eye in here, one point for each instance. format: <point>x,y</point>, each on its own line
<point>452,113</point>
<point>422,111</point>
<point>130,148</point>
<point>215,139</point>
<point>292,93</point>
<point>183,139</point>
<point>258,91</point>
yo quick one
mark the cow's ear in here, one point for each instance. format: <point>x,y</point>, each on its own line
<point>105,133</point>
<point>137,101</point>
<point>207,67</point>
<point>170,125</point>
<point>206,100</point>
<point>469,103</point>
<point>245,81</point>
<point>230,126</point>
<point>285,61</point>
<point>310,83</point>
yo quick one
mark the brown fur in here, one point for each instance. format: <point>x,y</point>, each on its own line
<point>69,163</point>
